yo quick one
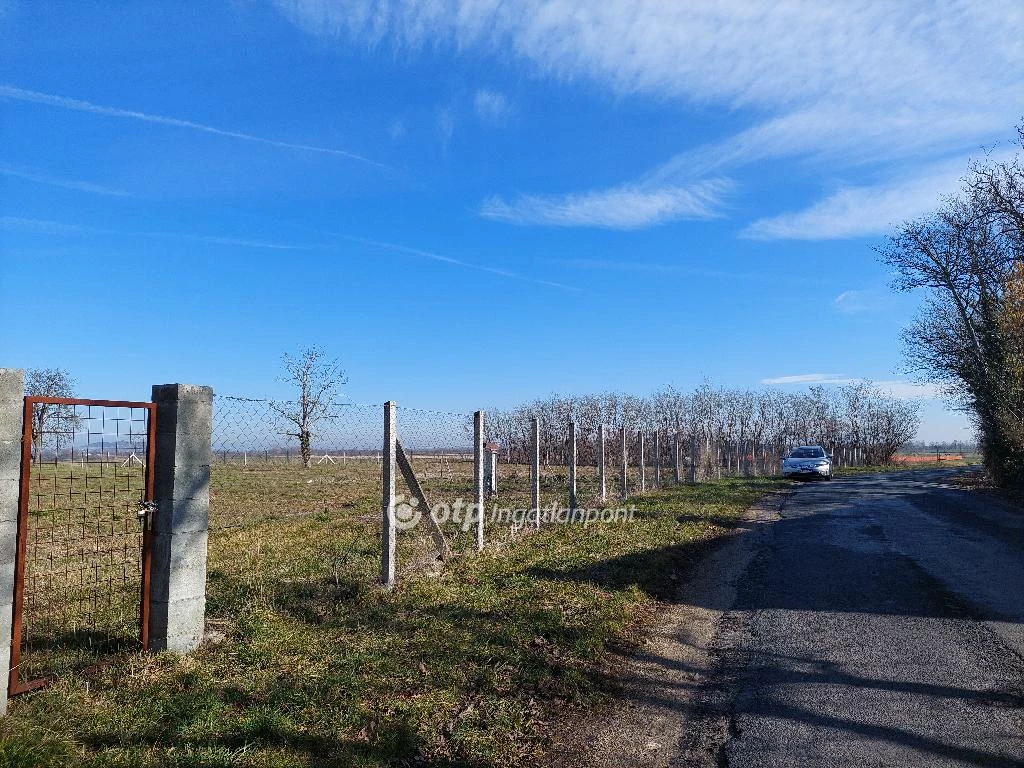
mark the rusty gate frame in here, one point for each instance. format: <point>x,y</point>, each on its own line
<point>14,686</point>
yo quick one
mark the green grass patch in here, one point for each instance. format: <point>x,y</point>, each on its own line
<point>313,665</point>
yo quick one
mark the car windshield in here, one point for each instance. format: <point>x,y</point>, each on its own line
<point>807,453</point>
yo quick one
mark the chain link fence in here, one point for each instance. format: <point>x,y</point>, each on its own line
<point>268,479</point>
<point>263,482</point>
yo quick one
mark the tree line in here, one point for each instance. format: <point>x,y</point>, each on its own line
<point>967,257</point>
<point>718,427</point>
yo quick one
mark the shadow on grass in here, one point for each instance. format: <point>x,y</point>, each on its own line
<point>659,573</point>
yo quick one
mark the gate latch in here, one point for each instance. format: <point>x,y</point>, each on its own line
<point>146,508</point>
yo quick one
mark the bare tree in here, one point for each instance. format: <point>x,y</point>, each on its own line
<point>966,257</point>
<point>734,427</point>
<point>48,382</point>
<point>318,380</point>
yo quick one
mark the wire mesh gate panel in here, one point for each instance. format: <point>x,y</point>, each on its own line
<point>84,536</point>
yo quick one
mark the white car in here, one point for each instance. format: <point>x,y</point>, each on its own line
<point>808,461</point>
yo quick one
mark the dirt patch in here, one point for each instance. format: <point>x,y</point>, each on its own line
<point>660,680</point>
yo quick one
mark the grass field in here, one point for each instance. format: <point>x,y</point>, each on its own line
<point>917,463</point>
<point>308,663</point>
<point>82,573</point>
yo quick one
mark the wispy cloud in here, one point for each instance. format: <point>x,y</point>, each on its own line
<point>39,226</point>
<point>52,181</point>
<point>821,82</point>
<point>851,302</point>
<point>77,105</point>
<point>500,271</point>
<point>491,106</point>
<point>810,378</point>
<point>48,227</point>
<point>628,207</point>
<point>864,301</point>
<point>860,211</point>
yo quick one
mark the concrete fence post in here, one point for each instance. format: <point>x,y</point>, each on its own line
<point>641,460</point>
<point>573,458</point>
<point>625,465</point>
<point>181,490</point>
<point>388,530</point>
<point>602,438</point>
<point>657,458</point>
<point>12,393</point>
<point>535,469</point>
<point>478,476</point>
<point>676,476</point>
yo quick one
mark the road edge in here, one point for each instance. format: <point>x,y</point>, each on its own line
<point>656,713</point>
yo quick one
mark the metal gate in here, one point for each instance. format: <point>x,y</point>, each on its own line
<point>84,536</point>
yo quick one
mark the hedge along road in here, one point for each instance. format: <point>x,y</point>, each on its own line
<point>873,620</point>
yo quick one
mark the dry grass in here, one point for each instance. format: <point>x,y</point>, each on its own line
<point>310,664</point>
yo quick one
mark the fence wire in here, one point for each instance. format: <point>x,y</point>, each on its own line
<point>264,484</point>
<point>440,448</point>
<point>270,512</point>
<point>82,560</point>
<point>263,477</point>
<point>253,431</point>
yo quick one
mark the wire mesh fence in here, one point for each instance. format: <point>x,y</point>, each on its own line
<point>262,478</point>
<point>440,448</point>
<point>264,472</point>
<point>80,575</point>
<point>255,432</point>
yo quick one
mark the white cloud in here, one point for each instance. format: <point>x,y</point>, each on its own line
<point>77,105</point>
<point>851,302</point>
<point>48,227</point>
<point>41,178</point>
<point>866,210</point>
<point>501,272</point>
<point>736,53</point>
<point>868,82</point>
<point>491,106</point>
<point>810,378</point>
<point>628,207</point>
<point>864,301</point>
<point>39,226</point>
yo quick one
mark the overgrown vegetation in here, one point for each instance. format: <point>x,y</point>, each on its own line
<point>968,257</point>
<point>308,663</point>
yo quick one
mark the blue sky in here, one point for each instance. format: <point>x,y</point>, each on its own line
<point>476,203</point>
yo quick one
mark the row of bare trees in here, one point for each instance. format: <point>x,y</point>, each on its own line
<point>723,427</point>
<point>968,259</point>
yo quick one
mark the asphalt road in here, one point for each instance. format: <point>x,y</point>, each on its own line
<point>875,621</point>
